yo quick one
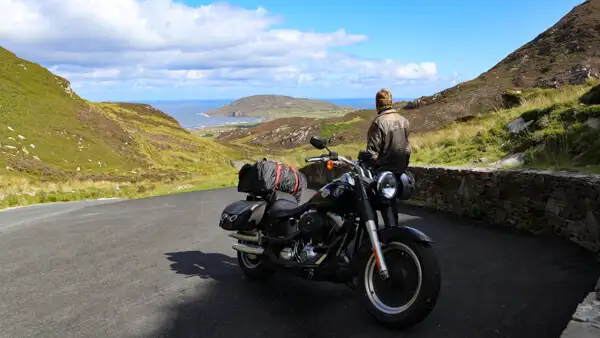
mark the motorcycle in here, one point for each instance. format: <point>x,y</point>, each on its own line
<point>335,237</point>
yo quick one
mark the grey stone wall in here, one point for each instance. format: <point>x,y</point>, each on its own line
<point>563,203</point>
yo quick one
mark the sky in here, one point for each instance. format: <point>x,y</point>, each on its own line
<point>191,49</point>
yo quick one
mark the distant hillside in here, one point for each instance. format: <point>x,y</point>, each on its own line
<point>567,53</point>
<point>48,132</point>
<point>278,106</point>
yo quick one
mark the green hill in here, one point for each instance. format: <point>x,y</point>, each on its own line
<point>49,134</point>
<point>274,106</point>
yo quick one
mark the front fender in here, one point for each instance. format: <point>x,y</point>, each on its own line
<point>403,233</point>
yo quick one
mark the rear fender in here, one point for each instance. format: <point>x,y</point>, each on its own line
<point>403,233</point>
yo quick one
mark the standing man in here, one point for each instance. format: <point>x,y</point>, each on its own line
<point>387,138</point>
<point>388,146</point>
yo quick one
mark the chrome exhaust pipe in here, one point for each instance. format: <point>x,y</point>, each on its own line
<point>248,248</point>
<point>245,238</point>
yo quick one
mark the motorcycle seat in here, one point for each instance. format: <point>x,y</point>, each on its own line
<point>284,205</point>
<point>280,195</point>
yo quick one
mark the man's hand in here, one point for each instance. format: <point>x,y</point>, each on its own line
<point>365,156</point>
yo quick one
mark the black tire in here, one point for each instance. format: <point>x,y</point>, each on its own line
<point>353,284</point>
<point>426,295</point>
<point>253,268</point>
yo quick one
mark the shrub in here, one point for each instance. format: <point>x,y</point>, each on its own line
<point>592,96</point>
<point>585,113</point>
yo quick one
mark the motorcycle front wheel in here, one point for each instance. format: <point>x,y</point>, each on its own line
<point>412,289</point>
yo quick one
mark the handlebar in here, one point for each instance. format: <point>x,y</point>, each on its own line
<point>315,159</point>
<point>325,158</point>
<point>365,172</point>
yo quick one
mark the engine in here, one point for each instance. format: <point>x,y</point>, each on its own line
<point>316,227</point>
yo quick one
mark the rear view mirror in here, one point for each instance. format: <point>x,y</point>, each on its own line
<point>318,142</point>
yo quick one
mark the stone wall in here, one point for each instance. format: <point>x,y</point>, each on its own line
<point>563,203</point>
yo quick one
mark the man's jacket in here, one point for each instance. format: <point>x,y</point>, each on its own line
<point>387,141</point>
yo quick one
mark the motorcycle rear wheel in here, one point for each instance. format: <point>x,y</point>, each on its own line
<point>410,293</point>
<point>253,267</point>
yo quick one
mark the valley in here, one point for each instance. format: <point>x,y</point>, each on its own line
<point>538,107</point>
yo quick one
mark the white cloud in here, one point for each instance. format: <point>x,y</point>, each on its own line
<point>162,42</point>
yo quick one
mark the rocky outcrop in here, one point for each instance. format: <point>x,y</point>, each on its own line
<point>511,98</point>
<point>585,323</point>
<point>566,204</point>
<point>577,75</point>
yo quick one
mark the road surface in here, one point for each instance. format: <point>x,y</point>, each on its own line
<point>161,267</point>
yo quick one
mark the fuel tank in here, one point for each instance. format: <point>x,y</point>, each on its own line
<point>337,196</point>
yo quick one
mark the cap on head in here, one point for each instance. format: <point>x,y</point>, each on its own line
<point>383,99</point>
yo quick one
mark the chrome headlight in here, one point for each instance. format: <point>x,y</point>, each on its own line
<point>387,185</point>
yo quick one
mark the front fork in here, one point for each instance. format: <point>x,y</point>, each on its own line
<point>369,218</point>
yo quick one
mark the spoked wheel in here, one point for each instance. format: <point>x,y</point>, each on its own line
<point>410,292</point>
<point>253,267</point>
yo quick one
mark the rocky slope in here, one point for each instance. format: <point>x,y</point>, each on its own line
<point>48,131</point>
<point>276,106</point>
<point>567,53</point>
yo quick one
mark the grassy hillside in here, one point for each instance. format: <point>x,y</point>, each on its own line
<point>54,143</point>
<point>275,106</point>
<point>554,129</point>
<point>560,129</point>
<point>567,53</point>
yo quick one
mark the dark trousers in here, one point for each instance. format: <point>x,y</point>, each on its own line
<point>395,202</point>
<point>395,209</point>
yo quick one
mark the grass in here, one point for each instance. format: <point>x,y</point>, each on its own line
<point>199,163</point>
<point>329,129</point>
<point>18,191</point>
<point>316,114</point>
<point>214,131</point>
<point>39,107</point>
<point>56,146</point>
<point>549,143</point>
<point>558,138</point>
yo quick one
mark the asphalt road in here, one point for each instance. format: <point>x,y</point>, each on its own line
<point>161,267</point>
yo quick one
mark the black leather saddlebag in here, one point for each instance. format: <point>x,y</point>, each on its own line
<point>242,215</point>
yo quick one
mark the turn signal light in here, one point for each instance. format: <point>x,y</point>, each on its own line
<point>330,165</point>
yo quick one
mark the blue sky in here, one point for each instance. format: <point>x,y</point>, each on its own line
<point>466,36</point>
<point>167,49</point>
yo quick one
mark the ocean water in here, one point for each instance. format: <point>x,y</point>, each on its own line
<point>190,113</point>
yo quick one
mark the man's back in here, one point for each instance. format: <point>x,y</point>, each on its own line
<point>387,141</point>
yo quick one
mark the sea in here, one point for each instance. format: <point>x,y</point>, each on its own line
<point>191,113</point>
